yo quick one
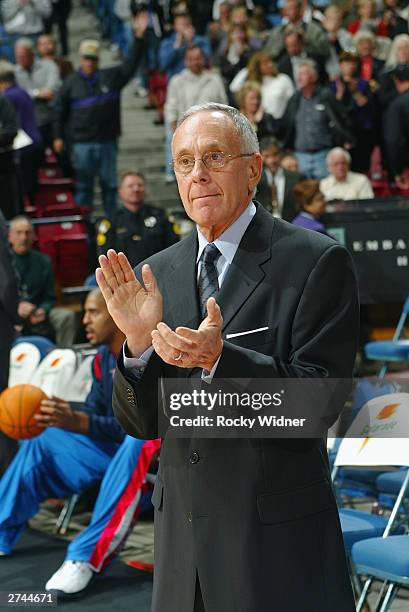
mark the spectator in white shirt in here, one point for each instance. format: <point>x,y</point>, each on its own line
<point>342,184</point>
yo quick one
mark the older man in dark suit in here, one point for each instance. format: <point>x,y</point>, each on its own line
<point>241,525</point>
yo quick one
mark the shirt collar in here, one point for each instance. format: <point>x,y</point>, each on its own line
<point>228,242</point>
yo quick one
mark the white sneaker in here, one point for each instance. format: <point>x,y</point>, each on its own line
<point>70,579</point>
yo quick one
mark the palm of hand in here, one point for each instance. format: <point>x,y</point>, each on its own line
<point>134,309</point>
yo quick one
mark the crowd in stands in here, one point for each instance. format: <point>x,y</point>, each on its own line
<point>325,86</point>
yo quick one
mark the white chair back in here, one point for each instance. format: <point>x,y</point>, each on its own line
<point>370,440</point>
<point>81,383</point>
<point>55,372</point>
<point>24,359</point>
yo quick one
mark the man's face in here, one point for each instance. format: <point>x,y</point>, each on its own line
<point>45,45</point>
<point>181,23</point>
<point>402,52</point>
<point>99,327</point>
<point>194,61</point>
<point>364,47</point>
<point>292,11</point>
<point>338,166</point>
<point>293,45</point>
<point>132,191</point>
<point>21,236</point>
<point>271,159</point>
<point>24,57</point>
<point>214,199</point>
<point>348,69</point>
<point>88,65</point>
<point>305,77</point>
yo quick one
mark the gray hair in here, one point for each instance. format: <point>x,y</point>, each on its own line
<point>21,218</point>
<point>400,38</point>
<point>310,64</point>
<point>25,42</point>
<point>336,150</point>
<point>242,126</point>
<point>364,35</point>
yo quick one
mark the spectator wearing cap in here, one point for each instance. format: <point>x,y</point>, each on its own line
<point>396,129</point>
<point>342,184</point>
<point>24,18</point>
<point>41,80</point>
<point>355,95</point>
<point>31,156</point>
<point>314,122</point>
<point>87,114</point>
<point>311,204</point>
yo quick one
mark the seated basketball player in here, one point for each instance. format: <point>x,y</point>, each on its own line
<point>75,451</point>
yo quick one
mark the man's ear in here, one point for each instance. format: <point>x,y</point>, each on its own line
<point>254,170</point>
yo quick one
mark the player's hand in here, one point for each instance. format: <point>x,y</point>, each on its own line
<point>135,308</point>
<point>56,412</point>
<point>191,348</point>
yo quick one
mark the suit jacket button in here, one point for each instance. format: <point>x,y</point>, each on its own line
<point>189,517</point>
<point>194,457</point>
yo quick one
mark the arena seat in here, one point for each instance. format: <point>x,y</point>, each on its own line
<point>55,184</point>
<point>81,382</point>
<point>50,172</point>
<point>44,345</point>
<point>55,372</point>
<point>24,359</point>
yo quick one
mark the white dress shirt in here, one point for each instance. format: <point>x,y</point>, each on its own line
<point>355,187</point>
<point>227,243</point>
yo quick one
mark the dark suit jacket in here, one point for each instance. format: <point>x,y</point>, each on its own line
<point>264,193</point>
<point>256,520</point>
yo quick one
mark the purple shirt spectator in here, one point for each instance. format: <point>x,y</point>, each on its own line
<point>304,219</point>
<point>24,106</point>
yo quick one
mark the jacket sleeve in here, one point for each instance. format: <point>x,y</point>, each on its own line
<point>126,70</point>
<point>101,427</point>
<point>8,122</point>
<point>43,7</point>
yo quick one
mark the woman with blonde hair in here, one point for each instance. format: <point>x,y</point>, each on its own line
<point>276,88</point>
<point>249,101</point>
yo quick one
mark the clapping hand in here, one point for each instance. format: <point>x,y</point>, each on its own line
<point>135,308</point>
<point>191,348</point>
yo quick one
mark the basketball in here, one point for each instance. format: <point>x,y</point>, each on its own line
<point>18,405</point>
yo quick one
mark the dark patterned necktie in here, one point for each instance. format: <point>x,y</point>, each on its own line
<point>208,284</point>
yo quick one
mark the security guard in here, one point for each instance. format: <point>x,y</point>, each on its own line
<point>137,229</point>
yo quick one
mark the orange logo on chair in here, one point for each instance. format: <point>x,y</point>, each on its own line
<point>387,411</point>
<point>20,356</point>
<point>55,362</point>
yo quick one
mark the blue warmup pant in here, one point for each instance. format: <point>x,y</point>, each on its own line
<point>56,463</point>
<point>123,495</point>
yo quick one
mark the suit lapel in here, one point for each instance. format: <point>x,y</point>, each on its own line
<point>246,271</point>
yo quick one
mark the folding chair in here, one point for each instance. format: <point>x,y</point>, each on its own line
<point>44,345</point>
<point>396,349</point>
<point>24,359</point>
<point>384,415</point>
<point>81,382</point>
<point>386,560</point>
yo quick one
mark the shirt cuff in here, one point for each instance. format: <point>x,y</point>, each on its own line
<point>136,364</point>
<point>208,376</point>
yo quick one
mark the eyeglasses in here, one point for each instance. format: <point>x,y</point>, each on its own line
<point>213,160</point>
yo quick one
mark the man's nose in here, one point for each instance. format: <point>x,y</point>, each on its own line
<point>200,173</point>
